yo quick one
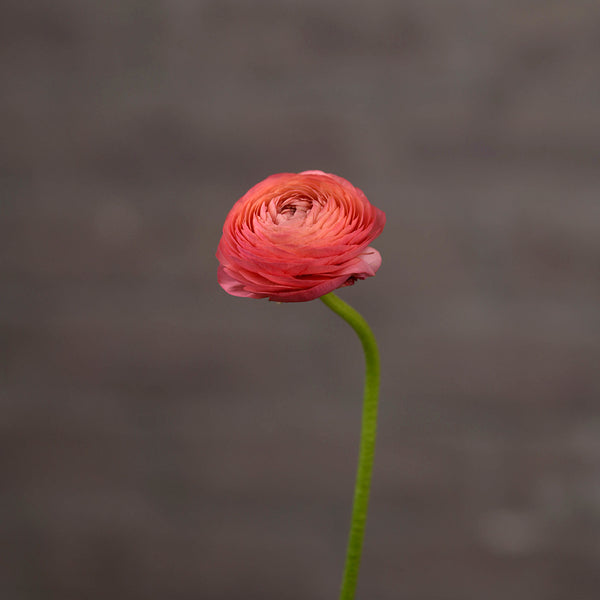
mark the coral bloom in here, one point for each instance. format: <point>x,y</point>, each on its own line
<point>297,236</point>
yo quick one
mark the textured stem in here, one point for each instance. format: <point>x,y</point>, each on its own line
<point>367,441</point>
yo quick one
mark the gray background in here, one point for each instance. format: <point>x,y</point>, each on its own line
<point>162,440</point>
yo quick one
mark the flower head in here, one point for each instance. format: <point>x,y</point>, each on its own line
<point>297,236</point>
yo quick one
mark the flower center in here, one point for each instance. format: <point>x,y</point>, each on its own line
<point>293,210</point>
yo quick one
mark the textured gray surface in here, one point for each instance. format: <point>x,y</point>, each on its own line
<point>159,439</point>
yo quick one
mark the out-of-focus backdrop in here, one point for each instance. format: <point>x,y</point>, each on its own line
<point>161,439</point>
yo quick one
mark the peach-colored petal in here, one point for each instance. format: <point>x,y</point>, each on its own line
<point>233,285</point>
<point>372,259</point>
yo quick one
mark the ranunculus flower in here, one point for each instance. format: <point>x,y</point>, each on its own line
<point>297,236</point>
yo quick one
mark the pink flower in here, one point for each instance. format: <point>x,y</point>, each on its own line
<point>297,236</point>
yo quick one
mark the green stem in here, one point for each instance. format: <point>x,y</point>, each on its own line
<point>367,441</point>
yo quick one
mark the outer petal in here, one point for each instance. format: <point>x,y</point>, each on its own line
<point>304,295</point>
<point>372,261</point>
<point>233,286</point>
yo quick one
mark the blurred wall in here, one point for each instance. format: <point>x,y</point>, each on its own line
<point>160,439</point>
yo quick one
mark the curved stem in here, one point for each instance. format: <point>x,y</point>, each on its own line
<point>367,441</point>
